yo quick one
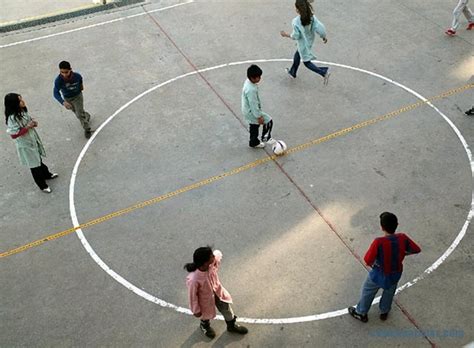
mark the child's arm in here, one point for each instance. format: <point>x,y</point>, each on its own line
<point>320,29</point>
<point>411,247</point>
<point>217,258</point>
<point>254,106</point>
<point>193,291</point>
<point>371,254</point>
<point>295,35</point>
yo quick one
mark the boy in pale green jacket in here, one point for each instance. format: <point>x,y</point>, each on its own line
<point>252,110</point>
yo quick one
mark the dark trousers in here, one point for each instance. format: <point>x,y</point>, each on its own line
<point>296,63</point>
<point>266,133</point>
<point>40,174</point>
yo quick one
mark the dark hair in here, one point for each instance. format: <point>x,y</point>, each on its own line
<point>254,71</point>
<point>12,107</point>
<point>389,222</point>
<point>64,65</point>
<point>305,10</point>
<point>200,257</point>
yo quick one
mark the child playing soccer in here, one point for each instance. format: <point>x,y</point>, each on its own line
<point>305,25</point>
<point>252,109</point>
<point>206,292</point>
<point>461,7</point>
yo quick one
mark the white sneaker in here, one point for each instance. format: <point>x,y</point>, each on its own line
<point>54,176</point>
<point>47,190</point>
<point>270,141</point>
<point>261,145</point>
<point>326,78</point>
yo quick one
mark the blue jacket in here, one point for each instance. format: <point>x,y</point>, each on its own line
<point>69,88</point>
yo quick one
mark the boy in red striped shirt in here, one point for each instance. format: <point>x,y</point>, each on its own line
<point>385,257</point>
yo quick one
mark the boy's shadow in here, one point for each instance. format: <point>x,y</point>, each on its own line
<point>223,338</point>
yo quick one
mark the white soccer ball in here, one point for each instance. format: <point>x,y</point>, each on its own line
<point>279,147</point>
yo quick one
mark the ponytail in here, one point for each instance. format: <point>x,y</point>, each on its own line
<point>200,257</point>
<point>305,10</point>
<point>190,267</point>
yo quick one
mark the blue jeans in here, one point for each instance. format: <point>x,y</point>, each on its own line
<point>369,290</point>
<point>296,63</point>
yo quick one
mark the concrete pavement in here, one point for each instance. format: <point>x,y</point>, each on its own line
<point>288,232</point>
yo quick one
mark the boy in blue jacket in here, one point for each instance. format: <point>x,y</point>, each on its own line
<point>67,91</point>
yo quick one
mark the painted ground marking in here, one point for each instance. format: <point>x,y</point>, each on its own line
<point>331,314</point>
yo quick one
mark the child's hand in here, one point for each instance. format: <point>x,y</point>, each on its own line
<point>197,315</point>
<point>284,34</point>
<point>261,120</point>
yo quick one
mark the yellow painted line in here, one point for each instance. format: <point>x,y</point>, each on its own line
<point>232,172</point>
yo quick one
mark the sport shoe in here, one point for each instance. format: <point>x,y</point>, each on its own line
<point>470,112</point>
<point>53,176</point>
<point>232,326</point>
<point>450,32</point>
<point>353,313</point>
<point>288,72</point>
<point>207,330</point>
<point>46,190</point>
<point>383,316</point>
<point>470,26</point>
<point>259,146</point>
<point>326,78</point>
<point>88,133</point>
<point>269,141</point>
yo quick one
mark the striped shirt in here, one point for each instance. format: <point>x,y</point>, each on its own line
<point>385,256</point>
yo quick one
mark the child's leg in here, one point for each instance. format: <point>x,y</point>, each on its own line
<point>457,12</point>
<point>225,309</point>
<point>267,131</point>
<point>253,129</point>
<point>387,298</point>
<point>296,64</point>
<point>38,177</point>
<point>230,318</point>
<point>369,290</point>
<point>468,14</point>
<point>321,71</point>
<point>207,329</point>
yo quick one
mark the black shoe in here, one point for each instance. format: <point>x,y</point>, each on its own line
<point>88,133</point>
<point>207,330</point>
<point>383,316</point>
<point>363,318</point>
<point>236,328</point>
<point>470,112</point>
<point>289,73</point>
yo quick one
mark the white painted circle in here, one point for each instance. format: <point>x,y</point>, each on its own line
<point>314,317</point>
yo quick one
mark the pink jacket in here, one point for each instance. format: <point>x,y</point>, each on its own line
<point>203,286</point>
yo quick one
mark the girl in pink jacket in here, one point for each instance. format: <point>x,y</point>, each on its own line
<point>206,292</point>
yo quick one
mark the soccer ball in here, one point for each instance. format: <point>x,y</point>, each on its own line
<point>279,147</point>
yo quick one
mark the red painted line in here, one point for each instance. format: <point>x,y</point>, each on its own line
<point>195,68</point>
<point>300,190</point>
